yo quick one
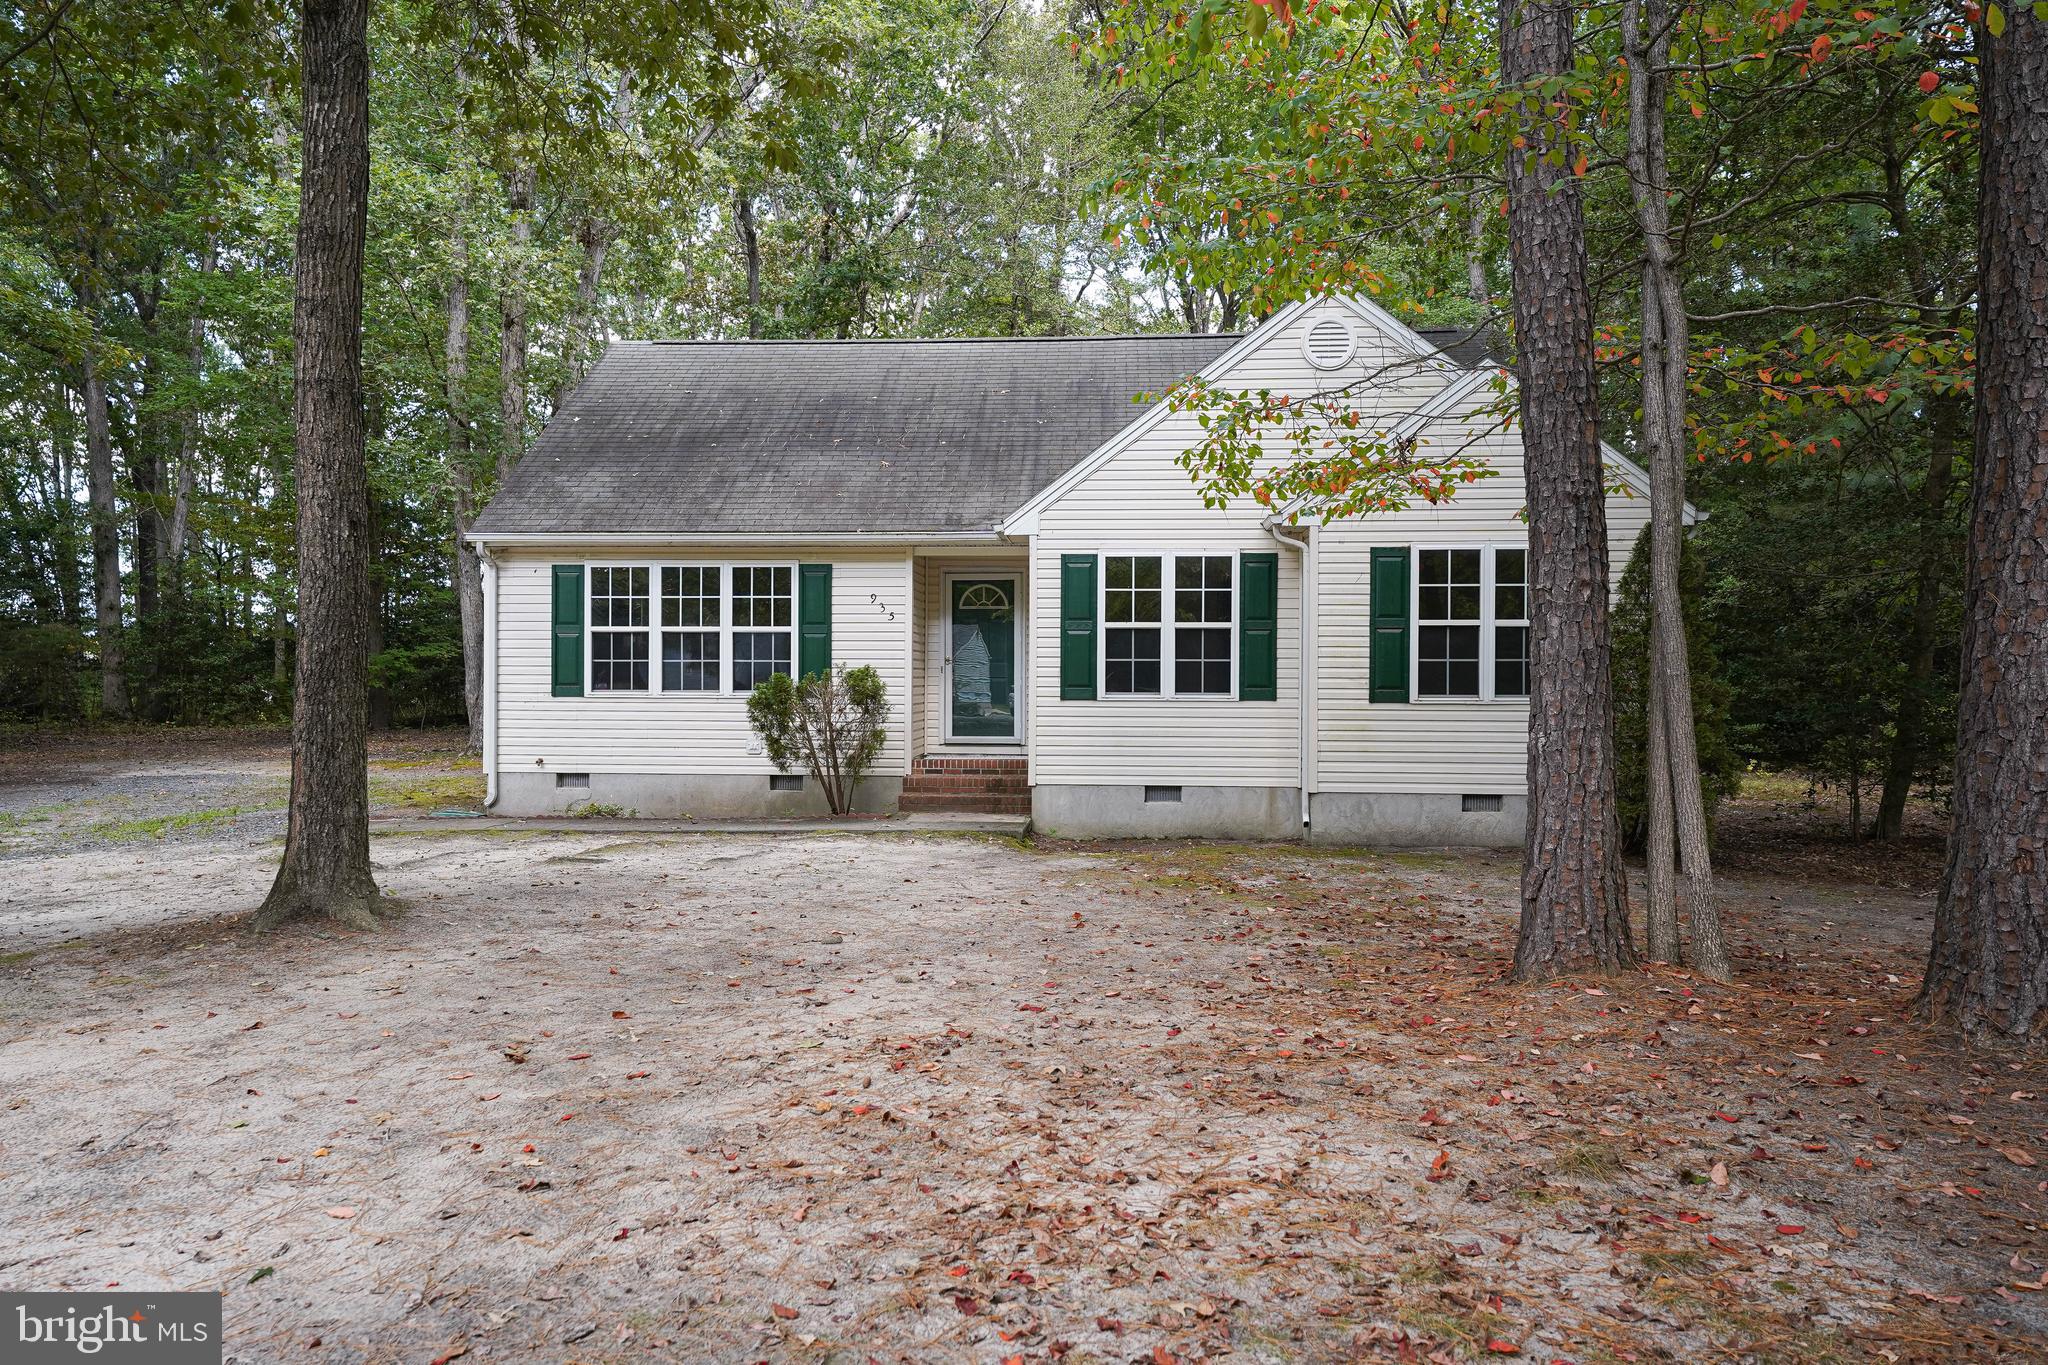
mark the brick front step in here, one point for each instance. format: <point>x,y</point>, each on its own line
<point>991,785</point>
<point>971,782</point>
<point>913,803</point>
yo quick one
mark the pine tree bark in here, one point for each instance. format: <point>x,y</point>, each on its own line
<point>469,584</point>
<point>106,527</point>
<point>178,530</point>
<point>1675,767</point>
<point>1574,892</point>
<point>594,235</point>
<point>512,308</point>
<point>1987,970</point>
<point>750,250</point>
<point>326,868</point>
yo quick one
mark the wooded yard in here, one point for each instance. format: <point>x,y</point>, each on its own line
<point>718,1097</point>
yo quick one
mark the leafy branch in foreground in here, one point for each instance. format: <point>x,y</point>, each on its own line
<point>1319,455</point>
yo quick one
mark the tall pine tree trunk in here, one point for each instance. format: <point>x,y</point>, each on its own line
<point>594,235</point>
<point>512,307</point>
<point>178,529</point>
<point>750,251</point>
<point>106,526</point>
<point>1673,766</point>
<point>469,588</point>
<point>326,868</point>
<point>1574,893</point>
<point>1987,972</point>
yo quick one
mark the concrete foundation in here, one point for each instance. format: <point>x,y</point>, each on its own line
<point>1414,820</point>
<point>1122,812</point>
<point>707,796</point>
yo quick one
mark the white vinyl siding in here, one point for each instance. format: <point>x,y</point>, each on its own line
<point>1142,501</point>
<point>688,731</point>
<point>1449,747</point>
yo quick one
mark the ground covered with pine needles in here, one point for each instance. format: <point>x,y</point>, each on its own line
<point>604,1097</point>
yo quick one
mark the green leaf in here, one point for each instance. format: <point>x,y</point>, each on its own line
<point>1994,20</point>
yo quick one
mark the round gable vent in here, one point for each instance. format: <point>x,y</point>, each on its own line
<point>1329,343</point>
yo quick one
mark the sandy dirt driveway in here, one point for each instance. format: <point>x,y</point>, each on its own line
<point>604,1098</point>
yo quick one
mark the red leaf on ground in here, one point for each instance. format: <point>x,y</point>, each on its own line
<point>967,1305</point>
<point>786,1314</point>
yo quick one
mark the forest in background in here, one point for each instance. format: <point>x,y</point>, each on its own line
<point>941,169</point>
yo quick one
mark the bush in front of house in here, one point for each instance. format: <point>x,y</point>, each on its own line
<point>830,724</point>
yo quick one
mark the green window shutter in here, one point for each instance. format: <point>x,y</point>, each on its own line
<point>1389,664</point>
<point>813,619</point>
<point>1077,627</point>
<point>1258,627</point>
<point>568,626</point>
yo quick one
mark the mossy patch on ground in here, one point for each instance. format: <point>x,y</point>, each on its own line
<point>417,792</point>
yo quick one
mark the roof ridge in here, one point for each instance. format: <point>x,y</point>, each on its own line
<point>921,341</point>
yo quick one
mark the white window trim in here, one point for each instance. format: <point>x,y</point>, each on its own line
<point>591,630</point>
<point>723,673</point>
<point>1167,627</point>
<point>1487,623</point>
<point>728,629</point>
<point>654,627</point>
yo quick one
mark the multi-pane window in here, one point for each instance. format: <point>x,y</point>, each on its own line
<point>1153,646</point>
<point>689,627</point>
<point>1131,596</point>
<point>1447,612</point>
<point>763,619</point>
<point>618,629</point>
<point>690,599</point>
<point>1511,623</point>
<point>1201,624</point>
<point>1471,623</point>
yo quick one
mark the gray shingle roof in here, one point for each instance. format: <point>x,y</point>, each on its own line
<point>830,437</point>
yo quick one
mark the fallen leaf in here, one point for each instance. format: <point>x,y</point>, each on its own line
<point>785,1313</point>
<point>341,1211</point>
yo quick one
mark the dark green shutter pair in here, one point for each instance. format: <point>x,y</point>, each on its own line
<point>1389,657</point>
<point>813,624</point>
<point>1257,629</point>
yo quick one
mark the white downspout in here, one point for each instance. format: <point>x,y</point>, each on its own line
<point>490,739</point>
<point>1306,676</point>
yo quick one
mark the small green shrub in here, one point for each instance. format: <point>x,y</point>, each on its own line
<point>830,723</point>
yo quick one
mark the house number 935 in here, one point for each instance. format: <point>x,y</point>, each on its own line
<point>883,607</point>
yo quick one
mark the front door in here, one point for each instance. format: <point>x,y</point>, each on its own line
<point>982,660</point>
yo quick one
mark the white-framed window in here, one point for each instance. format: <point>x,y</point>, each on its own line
<point>1510,622</point>
<point>692,601</point>
<point>763,622</point>
<point>618,628</point>
<point>677,628</point>
<point>1204,624</point>
<point>1471,615</point>
<point>1169,625</point>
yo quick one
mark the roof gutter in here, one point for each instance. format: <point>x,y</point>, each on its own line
<point>986,537</point>
<point>1306,631</point>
